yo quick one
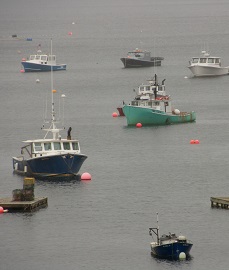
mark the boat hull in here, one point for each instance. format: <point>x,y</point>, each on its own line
<point>134,63</point>
<point>148,116</point>
<point>49,166</point>
<point>120,111</point>
<point>171,251</point>
<point>34,67</point>
<point>199,71</point>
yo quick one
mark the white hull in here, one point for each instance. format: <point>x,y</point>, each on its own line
<point>198,70</point>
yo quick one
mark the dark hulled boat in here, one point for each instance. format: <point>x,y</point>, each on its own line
<point>139,58</point>
<point>170,246</point>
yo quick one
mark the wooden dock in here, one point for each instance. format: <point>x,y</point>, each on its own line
<point>23,206</point>
<point>220,202</point>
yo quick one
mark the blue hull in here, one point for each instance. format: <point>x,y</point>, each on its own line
<point>50,166</point>
<point>171,251</point>
<point>31,67</point>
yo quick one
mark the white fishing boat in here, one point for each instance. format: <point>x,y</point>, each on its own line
<point>207,65</point>
<point>41,62</point>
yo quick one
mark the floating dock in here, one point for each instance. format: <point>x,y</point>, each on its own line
<point>23,206</point>
<point>220,202</point>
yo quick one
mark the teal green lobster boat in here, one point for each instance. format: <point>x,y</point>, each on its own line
<point>155,109</point>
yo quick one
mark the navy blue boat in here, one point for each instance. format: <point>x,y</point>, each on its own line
<point>170,246</point>
<point>50,157</point>
<point>41,62</point>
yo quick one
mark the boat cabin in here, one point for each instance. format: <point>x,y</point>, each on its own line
<point>161,104</point>
<point>139,54</point>
<point>206,59</point>
<point>150,88</point>
<point>42,59</point>
<point>40,148</point>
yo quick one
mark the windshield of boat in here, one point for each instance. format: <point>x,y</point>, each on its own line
<point>195,60</point>
<point>135,54</point>
<point>203,60</point>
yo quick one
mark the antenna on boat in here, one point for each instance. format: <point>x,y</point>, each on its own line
<point>53,129</point>
<point>157,228</point>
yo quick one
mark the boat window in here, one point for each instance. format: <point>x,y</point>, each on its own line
<point>147,88</point>
<point>150,103</point>
<point>75,146</point>
<point>203,60</point>
<point>211,60</point>
<point>156,103</point>
<point>134,103</point>
<point>37,57</point>
<point>32,57</point>
<point>217,60</point>
<point>37,147</point>
<point>43,57</point>
<point>139,55</point>
<point>195,60</point>
<point>141,88</point>
<point>66,146</point>
<point>57,146</point>
<point>47,146</point>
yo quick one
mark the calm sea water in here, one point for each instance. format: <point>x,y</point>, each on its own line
<point>103,223</point>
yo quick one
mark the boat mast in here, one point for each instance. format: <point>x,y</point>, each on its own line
<point>155,230</point>
<point>53,113</point>
<point>53,128</point>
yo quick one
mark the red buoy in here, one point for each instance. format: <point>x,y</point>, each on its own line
<point>1,210</point>
<point>194,142</point>
<point>22,71</point>
<point>114,114</point>
<point>139,125</point>
<point>86,176</point>
<point>70,33</point>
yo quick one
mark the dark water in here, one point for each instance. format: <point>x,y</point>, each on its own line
<point>103,223</point>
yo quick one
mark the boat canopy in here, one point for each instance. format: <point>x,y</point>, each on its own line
<point>49,147</point>
<point>42,57</point>
<point>208,60</point>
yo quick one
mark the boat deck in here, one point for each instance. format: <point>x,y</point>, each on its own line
<point>220,202</point>
<point>23,206</point>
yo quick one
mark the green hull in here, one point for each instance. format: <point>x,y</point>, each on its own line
<point>148,116</point>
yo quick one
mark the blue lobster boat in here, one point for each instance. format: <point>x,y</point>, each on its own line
<point>170,246</point>
<point>41,62</point>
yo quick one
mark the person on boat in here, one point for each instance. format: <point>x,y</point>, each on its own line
<point>155,92</point>
<point>69,133</point>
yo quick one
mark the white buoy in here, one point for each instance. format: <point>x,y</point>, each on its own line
<point>182,256</point>
<point>186,77</point>
<point>37,80</point>
<point>177,112</point>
